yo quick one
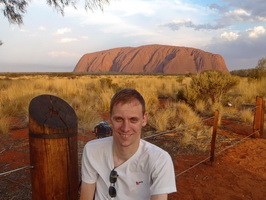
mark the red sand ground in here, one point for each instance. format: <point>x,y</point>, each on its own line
<point>237,173</point>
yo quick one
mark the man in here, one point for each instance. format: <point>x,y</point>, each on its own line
<point>124,167</point>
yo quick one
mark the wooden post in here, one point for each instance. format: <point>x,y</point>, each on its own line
<point>258,123</point>
<point>262,133</point>
<point>53,149</point>
<point>214,133</point>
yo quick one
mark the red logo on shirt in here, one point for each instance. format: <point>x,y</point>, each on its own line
<point>138,182</point>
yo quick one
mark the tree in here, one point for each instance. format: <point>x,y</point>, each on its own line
<point>262,64</point>
<point>212,85</point>
<point>260,70</point>
<point>15,9</point>
<point>1,42</point>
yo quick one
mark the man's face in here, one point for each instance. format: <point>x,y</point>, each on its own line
<point>127,121</point>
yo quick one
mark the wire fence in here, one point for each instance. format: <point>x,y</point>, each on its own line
<point>179,128</point>
<point>217,153</point>
<point>156,135</point>
<point>16,170</point>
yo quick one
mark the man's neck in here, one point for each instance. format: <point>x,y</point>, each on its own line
<point>122,154</point>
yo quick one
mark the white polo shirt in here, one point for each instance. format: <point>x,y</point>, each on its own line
<point>148,172</point>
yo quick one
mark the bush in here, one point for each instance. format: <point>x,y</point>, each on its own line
<point>160,119</point>
<point>200,106</point>
<point>211,85</point>
<point>185,115</point>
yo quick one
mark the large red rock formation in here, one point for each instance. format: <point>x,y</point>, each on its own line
<point>151,59</point>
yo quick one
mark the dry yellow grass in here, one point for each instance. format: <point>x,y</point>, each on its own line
<point>200,106</point>
<point>247,90</point>
<point>247,115</point>
<point>162,118</point>
<point>186,115</point>
<point>90,95</point>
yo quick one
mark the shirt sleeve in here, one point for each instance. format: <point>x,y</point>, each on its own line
<point>88,173</point>
<point>163,175</point>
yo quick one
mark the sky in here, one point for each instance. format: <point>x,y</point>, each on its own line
<point>50,42</point>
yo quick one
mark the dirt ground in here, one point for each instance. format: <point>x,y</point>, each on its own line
<point>237,173</point>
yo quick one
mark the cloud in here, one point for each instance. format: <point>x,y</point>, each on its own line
<point>67,40</point>
<point>257,8</point>
<point>62,31</point>
<point>240,50</point>
<point>230,36</point>
<point>84,37</point>
<point>177,24</point>
<point>23,30</point>
<point>237,12</point>
<point>232,13</point>
<point>257,31</point>
<point>42,28</point>
<point>131,16</point>
<point>130,8</point>
<point>63,54</point>
<point>240,11</point>
<point>237,15</point>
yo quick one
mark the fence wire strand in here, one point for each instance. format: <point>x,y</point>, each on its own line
<point>202,161</point>
<point>233,113</point>
<point>162,133</point>
<point>237,142</point>
<point>15,170</point>
<point>193,166</point>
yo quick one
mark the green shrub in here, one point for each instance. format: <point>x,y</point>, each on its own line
<point>211,85</point>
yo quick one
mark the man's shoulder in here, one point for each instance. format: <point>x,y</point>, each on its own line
<point>152,149</point>
<point>99,143</point>
<point>153,156</point>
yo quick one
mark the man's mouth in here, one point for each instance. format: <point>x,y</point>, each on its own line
<point>125,135</point>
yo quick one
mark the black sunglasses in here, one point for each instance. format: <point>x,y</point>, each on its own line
<point>113,179</point>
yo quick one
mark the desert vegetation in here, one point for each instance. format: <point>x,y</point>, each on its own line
<point>256,73</point>
<point>172,101</point>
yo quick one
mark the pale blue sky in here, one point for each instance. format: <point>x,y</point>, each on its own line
<point>50,42</point>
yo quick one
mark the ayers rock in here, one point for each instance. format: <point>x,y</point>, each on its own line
<point>151,59</point>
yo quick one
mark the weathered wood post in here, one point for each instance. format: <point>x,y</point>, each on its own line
<point>214,133</point>
<point>258,124</point>
<point>53,149</point>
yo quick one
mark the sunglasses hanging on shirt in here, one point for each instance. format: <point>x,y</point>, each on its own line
<point>113,178</point>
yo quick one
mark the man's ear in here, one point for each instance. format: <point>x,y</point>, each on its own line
<point>145,119</point>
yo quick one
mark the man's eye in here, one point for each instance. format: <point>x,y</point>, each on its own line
<point>118,119</point>
<point>134,120</point>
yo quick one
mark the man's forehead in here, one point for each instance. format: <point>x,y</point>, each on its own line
<point>131,102</point>
<point>134,107</point>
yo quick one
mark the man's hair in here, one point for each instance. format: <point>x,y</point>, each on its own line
<point>126,95</point>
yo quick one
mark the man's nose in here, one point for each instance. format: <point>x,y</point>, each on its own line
<point>125,126</point>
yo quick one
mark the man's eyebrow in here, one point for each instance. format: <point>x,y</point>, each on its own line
<point>134,117</point>
<point>116,116</point>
